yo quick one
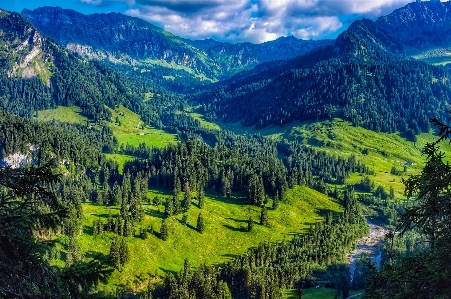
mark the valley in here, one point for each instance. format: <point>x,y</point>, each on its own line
<point>156,166</point>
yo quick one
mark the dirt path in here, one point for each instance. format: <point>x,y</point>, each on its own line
<point>370,245</point>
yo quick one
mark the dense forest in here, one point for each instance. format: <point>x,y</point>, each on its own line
<point>393,95</point>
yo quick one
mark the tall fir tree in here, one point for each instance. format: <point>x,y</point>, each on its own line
<point>186,198</point>
<point>169,207</point>
<point>124,253</point>
<point>264,216</point>
<point>114,258</point>
<point>164,231</point>
<point>201,198</point>
<point>200,223</point>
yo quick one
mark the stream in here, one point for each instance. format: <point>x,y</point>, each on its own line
<point>370,245</point>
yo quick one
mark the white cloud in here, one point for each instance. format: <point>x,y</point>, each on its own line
<point>256,20</point>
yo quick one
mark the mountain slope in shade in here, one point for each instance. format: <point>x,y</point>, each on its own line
<point>124,40</point>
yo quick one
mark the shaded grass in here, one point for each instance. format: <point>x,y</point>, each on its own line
<point>224,237</point>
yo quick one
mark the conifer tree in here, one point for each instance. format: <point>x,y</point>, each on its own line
<point>200,223</point>
<point>116,194</point>
<point>164,232</point>
<point>264,216</point>
<point>250,224</point>
<point>275,203</point>
<point>114,253</point>
<point>169,207</point>
<point>176,205</point>
<point>200,198</point>
<point>186,198</point>
<point>124,253</point>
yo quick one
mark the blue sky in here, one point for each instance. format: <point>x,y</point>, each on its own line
<point>234,20</point>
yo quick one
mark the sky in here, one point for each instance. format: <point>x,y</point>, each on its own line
<point>234,21</point>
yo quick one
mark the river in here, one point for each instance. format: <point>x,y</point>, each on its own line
<point>370,245</point>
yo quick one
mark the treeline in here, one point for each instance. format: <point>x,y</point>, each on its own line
<point>79,145</point>
<point>264,271</point>
<point>248,166</point>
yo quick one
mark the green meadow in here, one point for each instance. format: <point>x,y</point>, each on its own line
<point>129,129</point>
<point>225,234</point>
<point>63,114</point>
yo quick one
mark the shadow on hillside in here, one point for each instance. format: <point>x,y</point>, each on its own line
<point>87,230</point>
<point>237,220</point>
<point>187,225</point>
<point>325,212</point>
<point>236,229</point>
<point>166,271</point>
<point>104,215</point>
<point>153,213</point>
<point>231,256</point>
<point>97,256</point>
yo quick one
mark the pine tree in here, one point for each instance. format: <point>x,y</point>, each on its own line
<point>186,198</point>
<point>164,232</point>
<point>124,253</point>
<point>200,223</point>
<point>264,216</point>
<point>200,198</point>
<point>114,254</point>
<point>250,224</point>
<point>169,207</point>
<point>117,194</point>
<point>176,204</point>
<point>143,234</point>
<point>95,232</point>
<point>275,203</point>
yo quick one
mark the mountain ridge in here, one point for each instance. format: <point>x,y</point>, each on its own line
<point>153,47</point>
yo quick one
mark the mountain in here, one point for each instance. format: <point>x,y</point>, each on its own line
<point>37,74</point>
<point>419,26</point>
<point>127,41</point>
<point>364,77</point>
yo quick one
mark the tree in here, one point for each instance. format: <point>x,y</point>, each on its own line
<point>169,208</point>
<point>250,224</point>
<point>176,205</point>
<point>164,233</point>
<point>275,203</point>
<point>200,223</point>
<point>186,198</point>
<point>28,209</point>
<point>124,253</point>
<point>115,259</point>
<point>425,274</point>
<point>264,216</point>
<point>200,198</point>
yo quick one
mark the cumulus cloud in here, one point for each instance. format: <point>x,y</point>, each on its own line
<point>256,20</point>
<point>107,2</point>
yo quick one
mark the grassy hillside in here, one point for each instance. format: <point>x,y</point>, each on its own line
<point>128,128</point>
<point>225,232</point>
<point>63,114</point>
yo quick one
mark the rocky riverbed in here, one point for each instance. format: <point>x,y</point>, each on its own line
<point>371,246</point>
